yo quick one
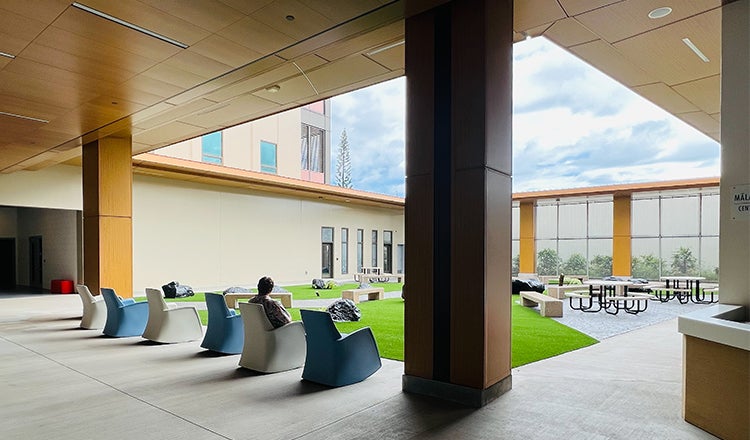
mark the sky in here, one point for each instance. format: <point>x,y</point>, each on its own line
<point>573,127</point>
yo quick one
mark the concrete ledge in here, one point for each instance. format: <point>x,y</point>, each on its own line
<point>455,393</point>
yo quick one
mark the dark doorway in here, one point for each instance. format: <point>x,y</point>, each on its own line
<point>388,251</point>
<point>327,252</point>
<point>7,263</point>
<point>35,261</point>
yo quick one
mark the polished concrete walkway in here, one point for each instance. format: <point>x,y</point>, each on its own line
<point>60,382</point>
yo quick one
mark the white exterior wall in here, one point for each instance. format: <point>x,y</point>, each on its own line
<point>213,237</point>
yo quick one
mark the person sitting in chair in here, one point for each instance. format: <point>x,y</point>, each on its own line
<point>276,313</point>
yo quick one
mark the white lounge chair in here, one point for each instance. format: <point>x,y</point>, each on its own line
<point>268,349</point>
<point>94,309</point>
<point>168,323</point>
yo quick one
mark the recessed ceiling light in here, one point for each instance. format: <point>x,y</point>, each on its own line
<point>7,55</point>
<point>660,12</point>
<point>290,17</point>
<point>695,49</point>
<point>129,25</point>
<point>273,89</point>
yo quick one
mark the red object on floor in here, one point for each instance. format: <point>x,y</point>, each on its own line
<point>61,286</point>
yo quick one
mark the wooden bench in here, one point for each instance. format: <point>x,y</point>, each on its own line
<point>375,278</point>
<point>231,298</point>
<point>373,293</point>
<point>548,306</point>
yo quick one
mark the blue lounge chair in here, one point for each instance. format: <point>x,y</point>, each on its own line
<point>125,317</point>
<point>225,331</point>
<point>336,359</point>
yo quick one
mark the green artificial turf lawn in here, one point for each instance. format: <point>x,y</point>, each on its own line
<point>533,337</point>
<point>304,291</point>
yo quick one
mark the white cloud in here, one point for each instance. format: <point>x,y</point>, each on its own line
<point>573,126</point>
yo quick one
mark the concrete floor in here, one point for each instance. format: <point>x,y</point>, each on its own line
<point>60,382</point>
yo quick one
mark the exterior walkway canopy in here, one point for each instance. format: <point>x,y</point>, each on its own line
<point>105,80</point>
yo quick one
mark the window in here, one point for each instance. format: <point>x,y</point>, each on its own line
<point>211,151</point>
<point>326,252</point>
<point>268,157</point>
<point>388,251</point>
<point>344,250</point>
<point>360,249</point>
<point>374,252</point>
<point>313,153</point>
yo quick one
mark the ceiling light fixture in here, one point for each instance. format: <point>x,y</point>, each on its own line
<point>695,49</point>
<point>273,89</point>
<point>290,17</point>
<point>7,55</point>
<point>660,12</point>
<point>28,118</point>
<point>129,25</point>
<point>386,47</point>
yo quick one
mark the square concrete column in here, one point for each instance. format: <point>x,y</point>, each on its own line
<point>458,200</point>
<point>107,215</point>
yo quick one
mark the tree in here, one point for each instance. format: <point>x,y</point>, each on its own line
<point>547,262</point>
<point>515,266</point>
<point>683,261</point>
<point>646,266</point>
<point>600,266</point>
<point>576,265</point>
<point>344,163</point>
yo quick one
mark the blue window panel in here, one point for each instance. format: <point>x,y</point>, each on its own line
<point>268,157</point>
<point>211,148</point>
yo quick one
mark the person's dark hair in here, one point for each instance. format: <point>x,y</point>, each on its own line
<point>265,286</point>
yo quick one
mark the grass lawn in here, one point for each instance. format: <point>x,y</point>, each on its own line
<point>533,337</point>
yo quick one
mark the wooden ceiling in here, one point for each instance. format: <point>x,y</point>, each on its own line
<point>77,76</point>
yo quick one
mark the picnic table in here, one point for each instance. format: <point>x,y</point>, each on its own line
<point>684,289</point>
<point>610,296</point>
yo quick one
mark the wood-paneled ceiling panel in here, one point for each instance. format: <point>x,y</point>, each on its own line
<point>666,98</point>
<point>165,134</point>
<point>705,93</point>
<point>534,13</point>
<point>226,113</point>
<point>212,15</point>
<point>225,51</point>
<point>153,19</point>
<point>58,77</point>
<point>663,53</point>
<point>112,34</point>
<point>256,36</point>
<point>245,6</point>
<point>341,10</point>
<point>632,17</point>
<point>605,58</point>
<point>701,121</point>
<point>17,31</point>
<point>190,61</point>
<point>336,74</point>
<point>42,10</point>
<point>40,90</point>
<point>392,59</point>
<point>172,113</point>
<point>569,32</point>
<point>305,21</point>
<point>291,89</point>
<point>575,7</point>
<point>364,42</point>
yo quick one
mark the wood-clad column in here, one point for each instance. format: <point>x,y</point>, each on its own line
<point>527,242</point>
<point>716,384</point>
<point>621,238</point>
<point>107,215</point>
<point>458,203</point>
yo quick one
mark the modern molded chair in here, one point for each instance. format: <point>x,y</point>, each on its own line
<point>125,317</point>
<point>168,323</point>
<point>268,349</point>
<point>225,332</point>
<point>336,359</point>
<point>94,309</point>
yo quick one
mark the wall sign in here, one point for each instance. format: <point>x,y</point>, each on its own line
<point>741,202</point>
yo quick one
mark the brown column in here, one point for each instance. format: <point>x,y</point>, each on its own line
<point>527,231</point>
<point>621,238</point>
<point>458,205</point>
<point>107,215</point>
